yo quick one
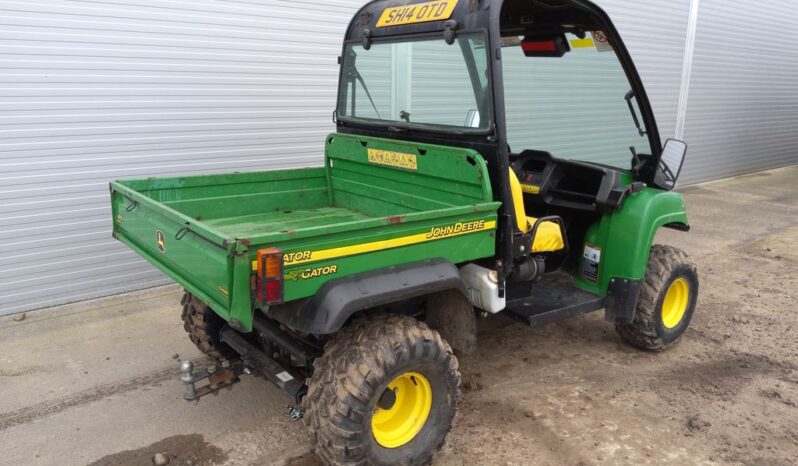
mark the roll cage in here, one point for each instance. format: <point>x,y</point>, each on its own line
<point>495,18</point>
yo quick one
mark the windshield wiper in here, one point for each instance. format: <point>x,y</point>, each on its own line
<point>366,90</point>
<point>628,98</point>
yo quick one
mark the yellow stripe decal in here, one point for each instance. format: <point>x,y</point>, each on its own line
<point>582,43</point>
<point>434,233</point>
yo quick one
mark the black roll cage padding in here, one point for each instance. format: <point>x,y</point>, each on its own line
<point>337,300</point>
<point>486,15</point>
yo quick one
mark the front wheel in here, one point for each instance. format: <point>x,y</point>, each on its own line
<point>667,301</point>
<point>384,392</point>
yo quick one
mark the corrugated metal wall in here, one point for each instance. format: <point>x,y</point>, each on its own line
<point>91,91</point>
<point>654,33</point>
<point>742,111</point>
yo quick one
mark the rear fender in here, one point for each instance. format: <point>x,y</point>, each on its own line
<point>337,300</point>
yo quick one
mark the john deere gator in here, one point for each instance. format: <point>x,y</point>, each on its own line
<point>489,157</point>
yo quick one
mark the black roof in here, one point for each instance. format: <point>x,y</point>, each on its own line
<point>520,15</point>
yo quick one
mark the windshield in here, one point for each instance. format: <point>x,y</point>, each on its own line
<point>424,83</point>
<point>574,106</point>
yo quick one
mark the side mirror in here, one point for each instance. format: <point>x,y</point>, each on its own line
<point>472,119</point>
<point>670,164</point>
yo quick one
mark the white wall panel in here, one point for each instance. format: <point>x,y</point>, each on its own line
<point>742,112</point>
<point>654,32</point>
<point>92,91</point>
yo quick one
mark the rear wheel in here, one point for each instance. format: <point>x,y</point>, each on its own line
<point>384,392</point>
<point>203,326</point>
<point>667,301</point>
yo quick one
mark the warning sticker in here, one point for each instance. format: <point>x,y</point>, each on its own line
<point>392,159</point>
<point>285,377</point>
<point>160,241</point>
<point>601,41</point>
<point>590,264</point>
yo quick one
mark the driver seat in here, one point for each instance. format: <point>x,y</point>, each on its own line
<point>549,236</point>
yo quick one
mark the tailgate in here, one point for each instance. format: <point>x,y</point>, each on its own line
<point>194,255</point>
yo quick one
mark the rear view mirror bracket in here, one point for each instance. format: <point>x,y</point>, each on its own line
<point>450,31</point>
<point>628,98</point>
<point>365,38</point>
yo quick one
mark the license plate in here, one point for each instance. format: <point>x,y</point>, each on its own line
<point>418,13</point>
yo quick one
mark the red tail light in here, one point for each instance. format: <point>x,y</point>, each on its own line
<point>274,291</point>
<point>270,276</point>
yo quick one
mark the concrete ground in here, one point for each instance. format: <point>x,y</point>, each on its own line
<point>96,382</point>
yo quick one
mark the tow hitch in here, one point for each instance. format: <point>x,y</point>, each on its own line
<point>253,359</point>
<point>218,378</point>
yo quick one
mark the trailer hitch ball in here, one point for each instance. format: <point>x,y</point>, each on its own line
<point>187,377</point>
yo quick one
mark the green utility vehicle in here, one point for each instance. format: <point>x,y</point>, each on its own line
<point>490,156</point>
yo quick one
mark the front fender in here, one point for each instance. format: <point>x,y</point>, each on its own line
<point>624,237</point>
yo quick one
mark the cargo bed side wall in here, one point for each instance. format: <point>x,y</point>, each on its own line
<point>312,262</point>
<point>238,194</point>
<point>195,259</point>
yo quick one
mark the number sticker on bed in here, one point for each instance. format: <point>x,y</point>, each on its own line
<point>418,13</point>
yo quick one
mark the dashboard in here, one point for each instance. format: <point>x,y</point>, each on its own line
<point>567,183</point>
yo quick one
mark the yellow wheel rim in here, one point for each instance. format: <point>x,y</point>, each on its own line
<point>398,425</point>
<point>675,303</point>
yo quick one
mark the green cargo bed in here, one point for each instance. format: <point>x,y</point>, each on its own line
<point>250,225</point>
<point>374,204</point>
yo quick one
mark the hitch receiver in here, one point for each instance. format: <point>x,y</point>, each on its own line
<point>218,379</point>
<point>253,360</point>
<point>284,377</point>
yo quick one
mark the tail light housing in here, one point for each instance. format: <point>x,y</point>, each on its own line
<point>270,276</point>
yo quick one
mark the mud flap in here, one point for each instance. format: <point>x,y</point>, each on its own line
<point>453,316</point>
<point>622,295</point>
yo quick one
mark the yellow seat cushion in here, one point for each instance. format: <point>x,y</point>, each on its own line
<point>548,238</point>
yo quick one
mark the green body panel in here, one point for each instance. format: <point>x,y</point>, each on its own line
<point>206,260</point>
<point>625,236</point>
<point>350,216</point>
<point>456,249</point>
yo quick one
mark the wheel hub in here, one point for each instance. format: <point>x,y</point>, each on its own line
<point>675,302</point>
<point>387,399</point>
<point>402,410</point>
